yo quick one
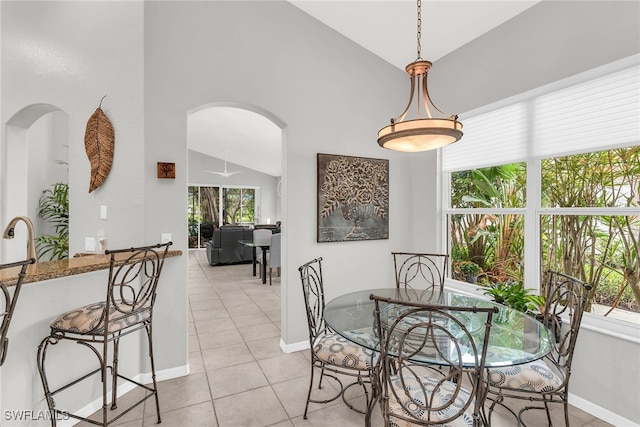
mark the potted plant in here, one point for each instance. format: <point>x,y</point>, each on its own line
<point>516,296</point>
<point>470,270</point>
<point>54,208</point>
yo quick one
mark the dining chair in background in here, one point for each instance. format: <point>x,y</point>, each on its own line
<point>332,354</point>
<point>420,271</point>
<point>128,307</point>
<point>416,341</point>
<point>545,380</point>
<point>10,302</point>
<point>261,236</point>
<point>275,254</point>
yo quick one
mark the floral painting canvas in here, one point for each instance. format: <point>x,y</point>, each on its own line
<point>353,198</point>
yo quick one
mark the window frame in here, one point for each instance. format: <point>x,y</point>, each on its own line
<point>533,210</point>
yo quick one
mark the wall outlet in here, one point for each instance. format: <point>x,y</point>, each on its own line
<point>90,244</point>
<point>165,237</point>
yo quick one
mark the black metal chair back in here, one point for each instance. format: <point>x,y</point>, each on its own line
<point>420,271</point>
<point>313,290</point>
<point>416,342</point>
<point>565,296</point>
<point>546,380</point>
<point>133,281</point>
<point>334,356</point>
<point>10,302</point>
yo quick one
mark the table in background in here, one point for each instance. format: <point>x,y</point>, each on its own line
<point>254,247</point>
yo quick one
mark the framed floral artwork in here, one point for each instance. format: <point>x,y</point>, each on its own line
<point>353,198</point>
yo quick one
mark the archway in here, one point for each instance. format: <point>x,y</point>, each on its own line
<point>35,157</point>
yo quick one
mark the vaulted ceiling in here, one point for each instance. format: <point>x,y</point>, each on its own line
<point>386,28</point>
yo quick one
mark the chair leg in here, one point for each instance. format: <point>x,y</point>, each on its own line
<point>306,406</point>
<point>153,371</point>
<point>103,375</point>
<point>270,272</point>
<point>114,374</point>
<point>42,352</point>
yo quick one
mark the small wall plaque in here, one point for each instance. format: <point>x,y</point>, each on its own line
<point>166,170</point>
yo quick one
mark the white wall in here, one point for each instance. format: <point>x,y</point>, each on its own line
<point>284,62</point>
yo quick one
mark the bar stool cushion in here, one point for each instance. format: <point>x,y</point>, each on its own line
<point>86,320</point>
<point>537,376</point>
<point>336,350</point>
<point>411,391</point>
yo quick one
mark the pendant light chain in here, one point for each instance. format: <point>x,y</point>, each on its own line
<point>419,134</point>
<point>419,35</point>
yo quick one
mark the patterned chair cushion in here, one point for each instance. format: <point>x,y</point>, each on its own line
<point>338,351</point>
<point>407,407</point>
<point>86,320</point>
<point>537,376</point>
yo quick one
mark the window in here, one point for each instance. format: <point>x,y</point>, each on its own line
<point>204,212</point>
<point>486,222</point>
<point>551,180</point>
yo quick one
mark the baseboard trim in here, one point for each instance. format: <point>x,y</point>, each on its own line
<point>600,412</point>
<point>290,348</point>
<point>124,388</point>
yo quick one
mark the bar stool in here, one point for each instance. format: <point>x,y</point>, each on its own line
<point>128,307</point>
<point>10,302</point>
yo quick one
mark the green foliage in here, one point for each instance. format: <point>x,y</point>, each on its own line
<point>54,208</point>
<point>516,296</point>
<point>602,250</point>
<point>469,268</point>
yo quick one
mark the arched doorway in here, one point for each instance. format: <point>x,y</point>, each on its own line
<point>35,157</point>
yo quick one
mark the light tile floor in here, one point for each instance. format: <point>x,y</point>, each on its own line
<point>239,375</point>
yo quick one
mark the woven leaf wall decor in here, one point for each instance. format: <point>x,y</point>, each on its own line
<point>99,143</point>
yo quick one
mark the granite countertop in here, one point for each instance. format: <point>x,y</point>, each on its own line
<point>81,263</point>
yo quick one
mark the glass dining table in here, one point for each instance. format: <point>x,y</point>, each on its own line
<point>514,338</point>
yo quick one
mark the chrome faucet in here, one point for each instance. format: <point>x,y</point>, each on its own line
<point>9,233</point>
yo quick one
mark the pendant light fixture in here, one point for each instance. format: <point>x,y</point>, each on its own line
<point>421,133</point>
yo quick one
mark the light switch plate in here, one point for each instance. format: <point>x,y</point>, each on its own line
<point>165,238</point>
<point>103,212</point>
<point>90,244</point>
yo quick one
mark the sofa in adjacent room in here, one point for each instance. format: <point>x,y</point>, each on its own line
<point>225,247</point>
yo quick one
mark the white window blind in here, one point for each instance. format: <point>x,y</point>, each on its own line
<point>594,115</point>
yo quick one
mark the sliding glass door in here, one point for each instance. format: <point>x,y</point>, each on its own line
<point>210,207</point>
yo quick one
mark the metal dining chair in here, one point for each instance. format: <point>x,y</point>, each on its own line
<point>420,272</point>
<point>332,354</point>
<point>10,301</point>
<point>416,341</point>
<point>127,307</point>
<point>545,380</point>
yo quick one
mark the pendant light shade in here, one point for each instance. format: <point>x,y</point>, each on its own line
<point>424,132</point>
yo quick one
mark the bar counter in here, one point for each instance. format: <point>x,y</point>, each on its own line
<point>80,263</point>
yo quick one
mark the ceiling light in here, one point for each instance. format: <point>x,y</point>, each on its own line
<point>422,133</point>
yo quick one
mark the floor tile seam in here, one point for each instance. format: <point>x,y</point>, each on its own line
<point>226,396</point>
<point>288,418</point>
<point>206,374</point>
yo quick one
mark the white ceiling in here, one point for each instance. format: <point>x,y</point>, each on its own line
<point>386,28</point>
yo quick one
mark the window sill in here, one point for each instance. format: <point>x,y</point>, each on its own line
<point>621,329</point>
